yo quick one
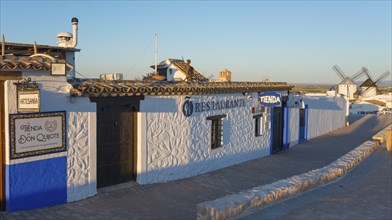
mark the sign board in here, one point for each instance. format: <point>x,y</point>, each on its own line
<point>270,99</point>
<point>28,100</point>
<point>36,134</point>
<point>58,69</point>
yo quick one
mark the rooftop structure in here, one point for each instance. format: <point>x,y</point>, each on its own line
<point>178,70</point>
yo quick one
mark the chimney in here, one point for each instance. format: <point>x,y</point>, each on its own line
<point>69,40</point>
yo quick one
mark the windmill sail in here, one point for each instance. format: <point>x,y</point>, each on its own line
<point>339,72</point>
<point>360,73</point>
<point>383,76</point>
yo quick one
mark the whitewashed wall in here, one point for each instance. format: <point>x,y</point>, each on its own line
<point>293,132</point>
<point>369,92</point>
<point>81,131</point>
<point>347,92</point>
<point>325,114</point>
<point>175,146</point>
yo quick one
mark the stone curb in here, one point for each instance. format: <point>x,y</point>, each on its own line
<point>380,136</point>
<point>233,205</point>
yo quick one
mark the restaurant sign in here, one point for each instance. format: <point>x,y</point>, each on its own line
<point>189,107</point>
<point>36,134</point>
<point>270,99</point>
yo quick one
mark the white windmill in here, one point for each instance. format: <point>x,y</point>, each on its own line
<point>347,86</point>
<point>369,87</point>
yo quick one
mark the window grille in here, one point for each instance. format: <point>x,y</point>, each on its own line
<point>216,130</point>
<point>259,125</point>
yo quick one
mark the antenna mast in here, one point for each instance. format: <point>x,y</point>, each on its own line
<point>156,53</point>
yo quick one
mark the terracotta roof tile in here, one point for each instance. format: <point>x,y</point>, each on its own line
<point>181,65</point>
<point>99,88</point>
<point>35,63</point>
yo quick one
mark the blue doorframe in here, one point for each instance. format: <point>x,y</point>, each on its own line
<point>303,124</point>
<point>286,142</point>
<point>271,129</point>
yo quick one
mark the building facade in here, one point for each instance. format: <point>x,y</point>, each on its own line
<point>65,137</point>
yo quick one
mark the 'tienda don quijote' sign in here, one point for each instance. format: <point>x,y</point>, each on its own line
<point>36,134</point>
<point>189,107</point>
<point>270,99</point>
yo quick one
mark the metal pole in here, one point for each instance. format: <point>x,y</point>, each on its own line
<point>156,53</point>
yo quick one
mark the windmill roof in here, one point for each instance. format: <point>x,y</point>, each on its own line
<point>368,83</point>
<point>348,81</point>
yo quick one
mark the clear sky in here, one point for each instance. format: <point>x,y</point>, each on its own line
<point>293,41</point>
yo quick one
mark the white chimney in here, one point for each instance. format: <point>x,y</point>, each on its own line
<point>68,40</point>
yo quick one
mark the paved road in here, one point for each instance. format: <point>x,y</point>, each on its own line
<point>178,199</point>
<point>364,193</point>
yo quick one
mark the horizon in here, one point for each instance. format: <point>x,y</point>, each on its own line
<point>287,41</point>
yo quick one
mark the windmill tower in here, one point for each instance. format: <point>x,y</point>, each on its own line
<point>347,86</point>
<point>369,87</point>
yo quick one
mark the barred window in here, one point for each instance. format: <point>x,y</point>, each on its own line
<point>259,125</point>
<point>216,130</point>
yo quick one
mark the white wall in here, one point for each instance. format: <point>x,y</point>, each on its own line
<point>325,114</point>
<point>81,144</point>
<point>351,90</point>
<point>174,146</point>
<point>293,132</point>
<point>369,92</point>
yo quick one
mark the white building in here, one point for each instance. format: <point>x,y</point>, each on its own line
<point>178,70</point>
<point>64,138</point>
<point>347,88</point>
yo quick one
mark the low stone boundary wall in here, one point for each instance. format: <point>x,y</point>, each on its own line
<point>380,136</point>
<point>261,196</point>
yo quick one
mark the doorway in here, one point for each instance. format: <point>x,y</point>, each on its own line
<point>116,144</point>
<point>116,139</point>
<point>277,129</point>
<point>302,124</point>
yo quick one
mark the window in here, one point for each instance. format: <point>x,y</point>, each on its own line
<point>216,130</point>
<point>259,125</point>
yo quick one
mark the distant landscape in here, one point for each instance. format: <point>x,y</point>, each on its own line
<point>384,87</point>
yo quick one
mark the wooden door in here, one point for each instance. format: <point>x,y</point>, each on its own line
<point>2,148</point>
<point>115,145</point>
<point>277,129</point>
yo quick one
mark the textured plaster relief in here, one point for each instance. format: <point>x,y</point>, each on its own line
<point>293,132</point>
<point>9,108</point>
<point>78,156</point>
<point>179,146</point>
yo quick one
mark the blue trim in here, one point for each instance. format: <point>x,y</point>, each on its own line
<point>36,184</point>
<point>272,128</point>
<point>286,142</point>
<point>299,127</point>
<point>306,122</point>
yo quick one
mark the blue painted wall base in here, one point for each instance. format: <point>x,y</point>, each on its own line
<point>36,184</point>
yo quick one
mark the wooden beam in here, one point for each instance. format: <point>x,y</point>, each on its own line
<point>10,75</point>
